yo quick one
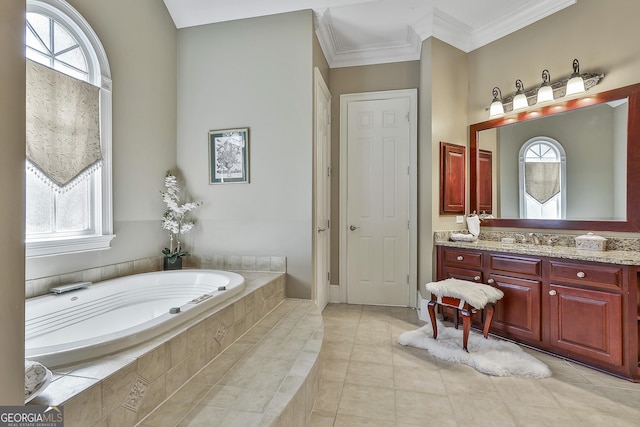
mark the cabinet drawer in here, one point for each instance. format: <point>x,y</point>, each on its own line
<point>528,266</point>
<point>462,258</point>
<point>586,274</point>
<point>462,274</point>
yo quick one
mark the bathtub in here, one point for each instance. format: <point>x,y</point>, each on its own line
<point>115,314</point>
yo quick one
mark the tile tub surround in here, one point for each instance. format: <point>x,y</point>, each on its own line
<point>619,250</point>
<point>122,388</point>
<point>269,377</point>
<point>238,263</point>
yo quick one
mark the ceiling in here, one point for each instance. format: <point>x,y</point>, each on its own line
<point>364,32</point>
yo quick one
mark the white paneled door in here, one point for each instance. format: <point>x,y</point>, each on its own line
<point>378,202</point>
<point>322,124</point>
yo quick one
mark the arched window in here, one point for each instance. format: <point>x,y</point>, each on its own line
<point>77,216</point>
<point>542,174</point>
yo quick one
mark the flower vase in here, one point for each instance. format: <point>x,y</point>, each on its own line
<point>177,265</point>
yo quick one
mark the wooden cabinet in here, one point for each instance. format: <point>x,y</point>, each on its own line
<point>518,313</point>
<point>452,178</point>
<point>485,181</point>
<point>585,311</point>
<point>586,323</point>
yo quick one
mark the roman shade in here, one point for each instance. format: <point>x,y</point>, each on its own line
<point>542,180</point>
<point>62,127</point>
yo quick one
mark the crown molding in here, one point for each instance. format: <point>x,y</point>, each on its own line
<point>515,20</point>
<point>445,27</point>
<point>346,56</point>
<point>436,24</point>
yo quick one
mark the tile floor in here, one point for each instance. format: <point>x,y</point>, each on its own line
<point>369,380</point>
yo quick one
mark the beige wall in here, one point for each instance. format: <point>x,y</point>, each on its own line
<point>12,140</point>
<point>370,78</point>
<point>602,36</point>
<point>319,60</point>
<point>443,118</point>
<point>254,73</point>
<point>141,48</point>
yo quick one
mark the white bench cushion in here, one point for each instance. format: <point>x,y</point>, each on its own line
<point>476,294</point>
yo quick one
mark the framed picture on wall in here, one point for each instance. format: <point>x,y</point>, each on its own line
<point>229,156</point>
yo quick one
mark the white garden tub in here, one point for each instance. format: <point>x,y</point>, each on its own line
<point>118,313</point>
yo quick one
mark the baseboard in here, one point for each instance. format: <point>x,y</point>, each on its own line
<point>334,293</point>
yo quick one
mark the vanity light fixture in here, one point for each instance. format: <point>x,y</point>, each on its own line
<point>496,107</point>
<point>520,100</point>
<point>576,82</point>
<point>545,92</point>
<point>548,91</point>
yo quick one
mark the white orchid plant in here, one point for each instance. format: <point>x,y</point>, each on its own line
<point>176,219</point>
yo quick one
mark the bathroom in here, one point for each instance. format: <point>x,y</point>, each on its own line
<point>159,124</point>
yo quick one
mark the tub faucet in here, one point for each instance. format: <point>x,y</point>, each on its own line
<point>534,237</point>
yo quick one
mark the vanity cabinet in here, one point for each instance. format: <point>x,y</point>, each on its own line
<point>585,310</point>
<point>518,314</point>
<point>576,309</point>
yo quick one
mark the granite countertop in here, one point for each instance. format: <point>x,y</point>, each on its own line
<point>612,257</point>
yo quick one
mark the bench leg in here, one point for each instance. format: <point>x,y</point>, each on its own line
<point>466,326</point>
<point>489,309</point>
<point>432,315</point>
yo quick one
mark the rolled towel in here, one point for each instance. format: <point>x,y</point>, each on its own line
<point>34,374</point>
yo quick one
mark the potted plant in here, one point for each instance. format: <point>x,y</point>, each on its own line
<point>176,221</point>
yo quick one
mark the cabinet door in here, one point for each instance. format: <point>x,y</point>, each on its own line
<point>586,322</point>
<point>452,178</point>
<point>485,181</point>
<point>517,314</point>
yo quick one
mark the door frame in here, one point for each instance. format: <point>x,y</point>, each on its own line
<point>345,99</point>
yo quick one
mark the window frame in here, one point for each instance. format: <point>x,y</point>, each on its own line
<point>100,75</point>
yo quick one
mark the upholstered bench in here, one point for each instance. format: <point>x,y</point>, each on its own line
<point>467,297</point>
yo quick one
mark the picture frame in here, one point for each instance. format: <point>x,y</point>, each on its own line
<point>229,156</point>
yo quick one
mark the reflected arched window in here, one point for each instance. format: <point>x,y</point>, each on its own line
<point>542,174</point>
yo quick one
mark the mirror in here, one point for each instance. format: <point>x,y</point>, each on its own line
<point>568,165</point>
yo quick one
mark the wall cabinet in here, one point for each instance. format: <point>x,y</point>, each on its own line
<point>584,311</point>
<point>452,178</point>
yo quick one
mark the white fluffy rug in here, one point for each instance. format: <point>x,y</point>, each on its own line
<point>489,356</point>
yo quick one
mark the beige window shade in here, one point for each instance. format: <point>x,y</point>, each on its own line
<point>62,126</point>
<point>542,180</point>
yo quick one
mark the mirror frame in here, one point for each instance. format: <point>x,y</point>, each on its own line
<point>632,223</point>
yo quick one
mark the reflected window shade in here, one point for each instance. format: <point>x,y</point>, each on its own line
<point>62,126</point>
<point>542,180</point>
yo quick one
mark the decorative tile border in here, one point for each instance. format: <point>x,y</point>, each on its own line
<point>136,394</point>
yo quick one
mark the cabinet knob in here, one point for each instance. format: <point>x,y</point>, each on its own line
<point>460,258</point>
<point>491,281</point>
<point>581,274</point>
<point>553,292</point>
<point>476,278</point>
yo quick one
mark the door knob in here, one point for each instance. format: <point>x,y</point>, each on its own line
<point>321,229</point>
<point>353,228</point>
<point>553,292</point>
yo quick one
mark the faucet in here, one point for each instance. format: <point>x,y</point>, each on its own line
<point>534,238</point>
